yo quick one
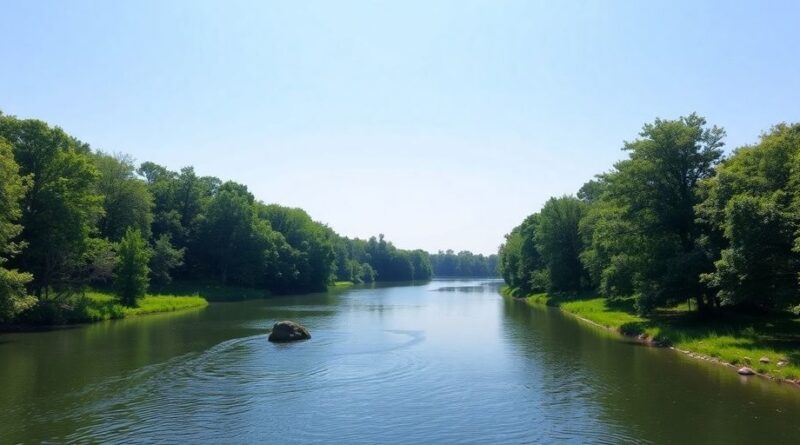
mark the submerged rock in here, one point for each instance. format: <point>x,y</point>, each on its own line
<point>745,371</point>
<point>284,331</point>
<point>764,360</point>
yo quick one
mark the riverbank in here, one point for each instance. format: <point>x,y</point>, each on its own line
<point>729,338</point>
<point>95,306</point>
<point>102,306</point>
<point>98,305</point>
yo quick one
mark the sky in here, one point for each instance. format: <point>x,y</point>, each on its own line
<point>440,124</point>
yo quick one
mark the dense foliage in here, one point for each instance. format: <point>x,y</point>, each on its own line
<point>673,222</point>
<point>13,298</point>
<point>377,259</point>
<point>463,264</point>
<point>753,203</point>
<point>132,275</point>
<point>72,217</point>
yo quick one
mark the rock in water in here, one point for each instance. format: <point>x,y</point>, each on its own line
<point>745,371</point>
<point>284,331</point>
<point>764,360</point>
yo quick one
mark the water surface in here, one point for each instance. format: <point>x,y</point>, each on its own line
<point>448,361</point>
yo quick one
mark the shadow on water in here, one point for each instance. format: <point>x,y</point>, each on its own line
<point>659,394</point>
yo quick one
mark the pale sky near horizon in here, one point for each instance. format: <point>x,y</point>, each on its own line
<point>441,124</point>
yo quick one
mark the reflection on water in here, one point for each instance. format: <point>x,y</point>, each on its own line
<point>396,364</point>
<point>459,289</point>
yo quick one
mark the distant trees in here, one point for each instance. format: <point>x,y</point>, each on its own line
<point>379,260</point>
<point>463,264</point>
<point>668,224</point>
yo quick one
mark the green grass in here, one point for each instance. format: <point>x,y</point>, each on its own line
<point>343,284</point>
<point>98,306</point>
<point>730,337</point>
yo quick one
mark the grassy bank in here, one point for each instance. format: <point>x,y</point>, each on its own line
<point>98,306</point>
<point>728,337</point>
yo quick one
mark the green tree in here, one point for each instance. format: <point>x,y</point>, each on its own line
<point>229,243</point>
<point>13,296</point>
<point>464,264</point>
<point>521,263</point>
<point>180,200</point>
<point>61,207</point>
<point>644,232</point>
<point>366,274</point>
<point>165,258</point>
<point>132,275</point>
<point>421,265</point>
<point>752,202</point>
<point>309,246</point>
<point>559,241</point>
<point>127,202</point>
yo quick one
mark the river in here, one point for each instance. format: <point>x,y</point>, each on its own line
<point>443,362</point>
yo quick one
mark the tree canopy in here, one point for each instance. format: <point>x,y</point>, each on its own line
<point>73,217</point>
<point>673,221</point>
<point>463,264</point>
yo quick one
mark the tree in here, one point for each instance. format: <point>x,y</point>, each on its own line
<point>13,296</point>
<point>644,230</point>
<point>559,241</point>
<point>752,202</point>
<point>229,244</point>
<point>421,265</point>
<point>385,261</point>
<point>347,269</point>
<point>127,202</point>
<point>463,264</point>
<point>367,274</point>
<point>165,258</point>
<point>61,207</point>
<point>132,276</point>
<point>309,245</point>
<point>180,200</point>
<point>521,262</point>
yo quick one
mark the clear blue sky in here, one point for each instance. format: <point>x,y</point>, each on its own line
<point>440,124</point>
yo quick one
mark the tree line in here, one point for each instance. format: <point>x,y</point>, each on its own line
<point>365,261</point>
<point>463,264</point>
<point>675,221</point>
<point>73,217</point>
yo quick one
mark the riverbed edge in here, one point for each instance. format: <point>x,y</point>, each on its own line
<point>646,340</point>
<point>103,307</point>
